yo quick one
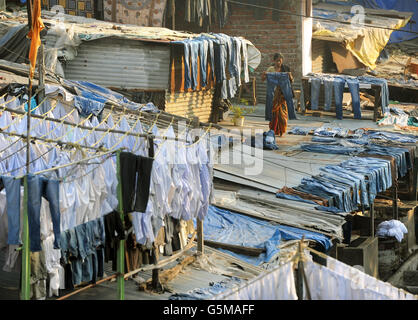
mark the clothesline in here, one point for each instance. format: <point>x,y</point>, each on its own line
<point>64,179</point>
<point>149,118</point>
<point>96,129</point>
<point>56,141</point>
<point>32,161</point>
<point>69,164</point>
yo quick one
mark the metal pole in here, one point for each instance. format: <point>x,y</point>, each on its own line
<point>41,72</point>
<point>25,271</point>
<point>121,248</point>
<point>299,273</point>
<point>113,10</point>
<point>173,11</point>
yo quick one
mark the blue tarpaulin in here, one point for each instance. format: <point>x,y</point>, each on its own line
<point>398,5</point>
<point>233,228</point>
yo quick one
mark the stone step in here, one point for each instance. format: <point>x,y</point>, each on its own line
<point>410,278</point>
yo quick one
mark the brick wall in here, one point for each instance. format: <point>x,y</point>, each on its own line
<point>270,36</point>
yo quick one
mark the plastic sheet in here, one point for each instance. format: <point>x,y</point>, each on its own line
<point>233,228</point>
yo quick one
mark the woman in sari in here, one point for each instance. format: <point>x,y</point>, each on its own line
<point>278,122</point>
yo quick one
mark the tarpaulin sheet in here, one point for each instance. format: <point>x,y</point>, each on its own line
<point>233,228</point>
<point>92,97</point>
<point>364,43</point>
<point>403,6</point>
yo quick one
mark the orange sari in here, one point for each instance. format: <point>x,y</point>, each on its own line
<point>279,119</point>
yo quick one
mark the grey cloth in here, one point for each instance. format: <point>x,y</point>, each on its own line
<point>38,276</point>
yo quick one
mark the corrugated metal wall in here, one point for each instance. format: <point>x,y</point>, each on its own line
<point>121,63</point>
<point>189,104</point>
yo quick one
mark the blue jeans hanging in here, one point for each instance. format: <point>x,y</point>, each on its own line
<point>315,90</point>
<point>39,187</point>
<point>279,79</point>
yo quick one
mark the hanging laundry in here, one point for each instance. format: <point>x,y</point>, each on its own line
<point>148,13</point>
<point>135,178</point>
<point>338,281</point>
<point>276,284</point>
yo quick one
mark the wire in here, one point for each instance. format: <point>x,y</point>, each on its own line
<point>32,161</point>
<point>200,138</point>
<point>62,119</point>
<point>123,136</point>
<point>12,154</point>
<point>72,127</point>
<point>10,145</point>
<point>93,129</point>
<point>319,18</point>
<point>20,117</point>
<point>164,139</point>
<point>64,180</point>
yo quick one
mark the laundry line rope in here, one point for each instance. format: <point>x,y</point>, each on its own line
<point>32,161</point>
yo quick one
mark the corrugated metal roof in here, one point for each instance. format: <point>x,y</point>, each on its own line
<point>121,63</point>
<point>190,104</point>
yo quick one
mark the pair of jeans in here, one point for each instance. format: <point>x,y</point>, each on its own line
<point>77,271</point>
<point>191,49</point>
<point>316,192</point>
<point>203,51</point>
<point>383,83</point>
<point>233,60</point>
<point>318,188</point>
<point>345,187</point>
<point>391,136</point>
<point>331,149</point>
<point>194,51</point>
<point>315,91</point>
<point>238,59</point>
<point>376,170</point>
<point>358,180</point>
<point>324,139</point>
<point>220,52</point>
<point>293,197</point>
<point>90,263</point>
<point>136,178</point>
<point>39,187</point>
<point>331,132</point>
<point>339,85</point>
<point>328,88</point>
<point>340,191</point>
<point>88,106</point>
<point>329,209</point>
<point>209,45</point>
<point>82,241</point>
<point>400,155</point>
<point>281,79</point>
<point>303,131</point>
<point>12,186</point>
<point>354,87</point>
